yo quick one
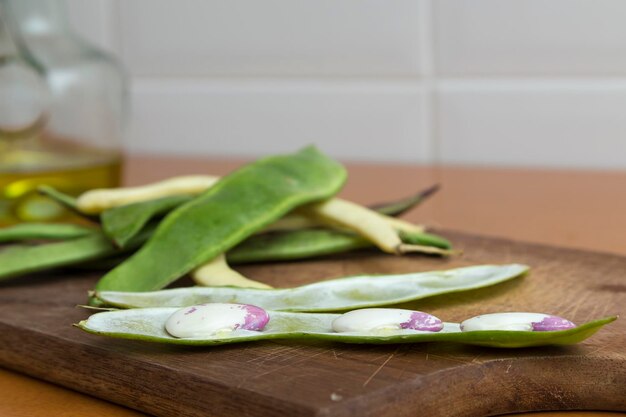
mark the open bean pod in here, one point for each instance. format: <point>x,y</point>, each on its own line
<point>332,295</point>
<point>148,324</point>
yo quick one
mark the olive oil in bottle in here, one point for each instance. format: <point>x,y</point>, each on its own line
<point>64,166</point>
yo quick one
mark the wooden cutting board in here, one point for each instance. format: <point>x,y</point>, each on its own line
<point>331,379</point>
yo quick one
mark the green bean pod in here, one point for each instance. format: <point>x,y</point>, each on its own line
<point>294,244</point>
<point>43,231</point>
<point>148,324</point>
<point>239,205</point>
<point>426,239</point>
<point>18,260</point>
<point>310,243</point>
<point>65,200</point>
<point>401,206</point>
<point>332,295</point>
<point>120,224</point>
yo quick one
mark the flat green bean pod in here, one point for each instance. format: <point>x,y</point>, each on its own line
<point>309,243</point>
<point>18,260</point>
<point>294,244</point>
<point>148,324</point>
<point>236,207</point>
<point>21,259</point>
<point>332,295</point>
<point>43,231</point>
<point>122,223</point>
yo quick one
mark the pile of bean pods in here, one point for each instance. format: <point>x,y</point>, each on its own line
<point>278,208</point>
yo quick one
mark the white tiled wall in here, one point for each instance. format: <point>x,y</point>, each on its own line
<point>534,123</point>
<point>351,120</point>
<point>285,38</point>
<point>541,38</point>
<point>496,82</point>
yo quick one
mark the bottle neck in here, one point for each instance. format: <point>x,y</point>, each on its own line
<point>37,17</point>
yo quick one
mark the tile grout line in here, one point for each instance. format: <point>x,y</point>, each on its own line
<point>429,80</point>
<point>429,55</point>
<point>392,81</point>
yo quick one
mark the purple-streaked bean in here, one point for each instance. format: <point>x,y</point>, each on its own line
<point>517,321</point>
<point>375,319</point>
<point>215,318</point>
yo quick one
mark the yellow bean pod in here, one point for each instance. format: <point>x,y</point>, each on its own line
<point>96,201</point>
<point>381,230</point>
<point>218,273</point>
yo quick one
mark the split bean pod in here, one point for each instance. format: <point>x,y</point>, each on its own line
<point>332,295</point>
<point>154,325</point>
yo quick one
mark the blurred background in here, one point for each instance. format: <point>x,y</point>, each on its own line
<point>486,82</point>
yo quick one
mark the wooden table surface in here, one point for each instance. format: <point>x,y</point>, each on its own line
<point>580,209</point>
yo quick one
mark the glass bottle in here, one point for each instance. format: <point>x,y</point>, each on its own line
<point>75,144</point>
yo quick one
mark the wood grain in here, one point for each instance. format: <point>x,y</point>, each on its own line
<point>315,378</point>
